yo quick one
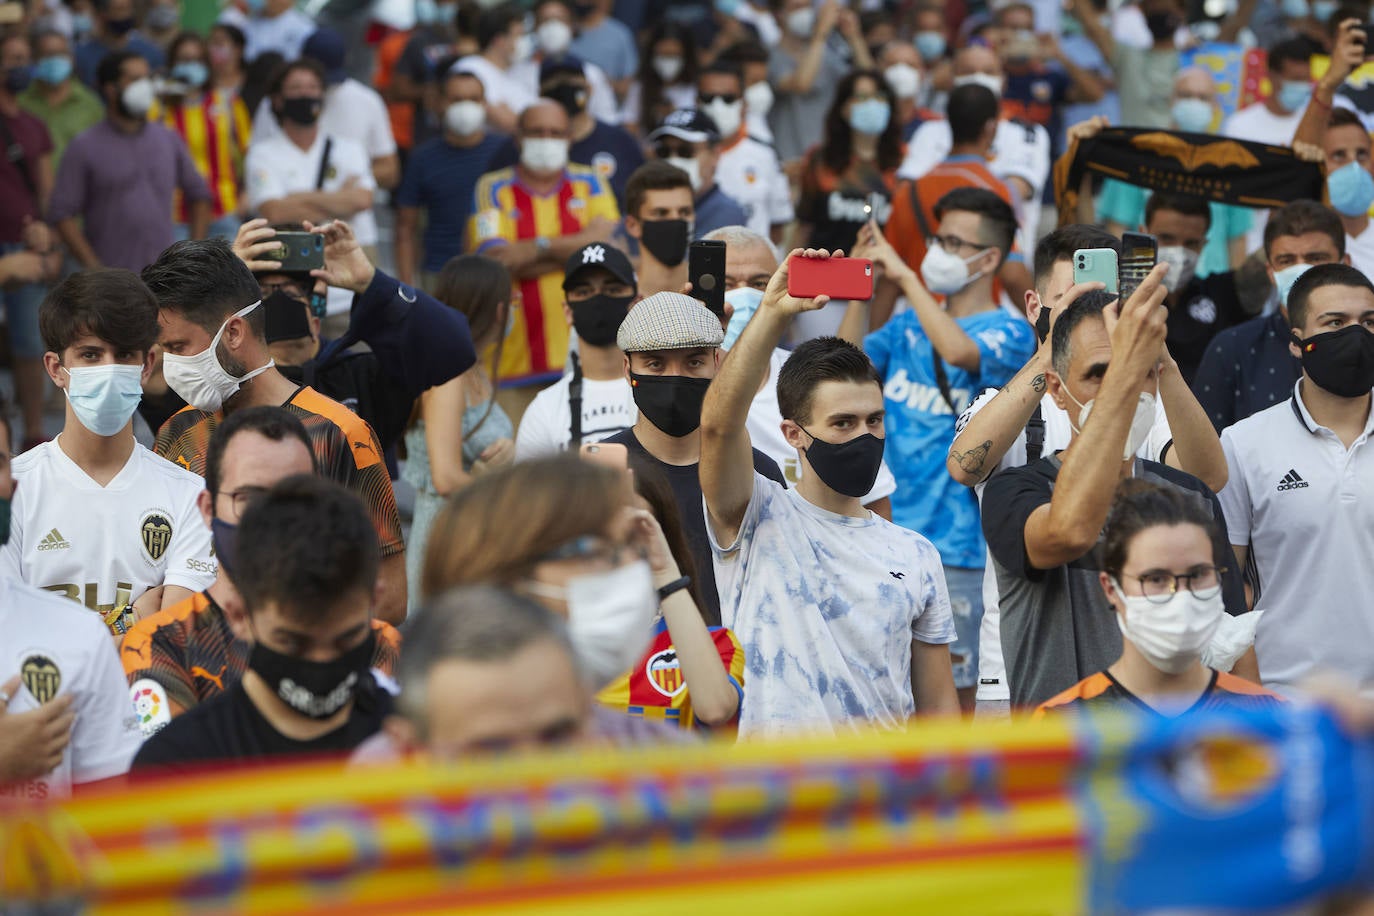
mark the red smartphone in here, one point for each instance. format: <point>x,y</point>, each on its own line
<point>838,278</point>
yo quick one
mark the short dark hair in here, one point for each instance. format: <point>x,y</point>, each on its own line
<point>1315,278</point>
<point>1301,217</point>
<point>746,51</point>
<point>822,359</point>
<point>203,280</point>
<point>274,423</point>
<point>1085,308</point>
<point>1142,504</point>
<point>304,544</point>
<point>107,72</point>
<point>495,22</point>
<point>113,305</point>
<point>1343,117</point>
<point>308,64</point>
<point>1177,203</point>
<point>654,175</point>
<point>723,68</point>
<point>1060,245</point>
<point>184,38</point>
<point>1297,49</point>
<point>996,218</point>
<point>970,108</point>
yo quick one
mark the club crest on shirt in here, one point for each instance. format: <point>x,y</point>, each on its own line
<point>156,531</point>
<point>150,705</point>
<point>665,674</point>
<point>605,165</point>
<point>42,676</point>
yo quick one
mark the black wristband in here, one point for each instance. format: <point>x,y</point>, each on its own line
<point>676,585</point>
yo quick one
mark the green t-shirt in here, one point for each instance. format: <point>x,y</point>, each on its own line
<point>80,110</point>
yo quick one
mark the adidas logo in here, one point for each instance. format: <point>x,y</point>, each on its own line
<point>1291,481</point>
<point>55,541</point>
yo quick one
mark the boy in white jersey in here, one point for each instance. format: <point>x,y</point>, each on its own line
<point>102,520</point>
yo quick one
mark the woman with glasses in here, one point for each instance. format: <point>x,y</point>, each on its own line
<point>1161,575</point>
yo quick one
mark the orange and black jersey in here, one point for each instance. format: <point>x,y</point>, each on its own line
<point>346,451</point>
<point>1101,690</point>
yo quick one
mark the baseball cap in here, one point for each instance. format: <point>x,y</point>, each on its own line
<point>669,321</point>
<point>326,47</point>
<point>598,254</point>
<point>564,63</point>
<point>688,124</point>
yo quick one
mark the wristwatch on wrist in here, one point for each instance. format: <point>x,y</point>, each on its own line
<point>676,585</point>
<point>541,244</point>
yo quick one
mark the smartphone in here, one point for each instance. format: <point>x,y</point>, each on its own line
<point>1368,29</point>
<point>1138,255</point>
<point>300,252</point>
<point>838,278</point>
<point>611,454</point>
<point>1095,265</point>
<point>876,209</point>
<point>706,273</point>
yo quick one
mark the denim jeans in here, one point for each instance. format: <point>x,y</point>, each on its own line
<point>966,602</point>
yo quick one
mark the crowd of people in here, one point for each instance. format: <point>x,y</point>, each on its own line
<point>490,474</point>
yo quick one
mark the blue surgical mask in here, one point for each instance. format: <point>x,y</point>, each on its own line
<point>1284,280</point>
<point>729,7</point>
<point>53,70</point>
<point>746,301</point>
<point>104,398</point>
<point>191,72</point>
<point>931,45</point>
<point>1323,9</point>
<point>1294,95</point>
<point>426,12</point>
<point>1192,115</point>
<point>1293,9</point>
<point>1351,189</point>
<point>870,116</point>
<point>82,24</point>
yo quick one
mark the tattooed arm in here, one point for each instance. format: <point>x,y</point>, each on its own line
<point>986,435</point>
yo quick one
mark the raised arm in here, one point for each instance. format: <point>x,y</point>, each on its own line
<point>1346,57</point>
<point>1097,33</point>
<point>1230,29</point>
<point>1197,447</point>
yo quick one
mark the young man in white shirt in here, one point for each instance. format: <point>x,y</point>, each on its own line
<point>102,521</point>
<point>504,46</point>
<point>844,616</point>
<point>278,26</point>
<point>600,288</point>
<point>1298,506</point>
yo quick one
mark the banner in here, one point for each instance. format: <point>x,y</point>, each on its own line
<point>1247,812</point>
<point>1241,74</point>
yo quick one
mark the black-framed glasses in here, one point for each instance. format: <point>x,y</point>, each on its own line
<point>241,497</point>
<point>953,243</point>
<point>1159,585</point>
<point>728,99</point>
<point>675,151</point>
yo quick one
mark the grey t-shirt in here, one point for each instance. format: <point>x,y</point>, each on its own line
<point>798,120</point>
<point>1145,83</point>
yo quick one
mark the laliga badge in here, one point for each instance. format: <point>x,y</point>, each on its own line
<point>150,706</point>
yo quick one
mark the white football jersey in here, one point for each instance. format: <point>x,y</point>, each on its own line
<point>103,547</point>
<point>749,172</point>
<point>59,649</point>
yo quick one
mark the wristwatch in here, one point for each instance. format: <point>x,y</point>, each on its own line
<point>541,244</point>
<point>676,585</point>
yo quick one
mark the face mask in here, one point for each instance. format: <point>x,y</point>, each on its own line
<point>931,45</point>
<point>554,37</point>
<point>104,397</point>
<point>801,22</point>
<point>200,380</point>
<point>287,317</point>
<point>691,167</point>
<point>1322,10</point>
<point>1162,26</point>
<point>426,12</point>
<point>1192,115</point>
<point>870,116</point>
<point>304,110</point>
<point>224,538</point>
<point>1341,362</point>
<point>137,98</point>
<point>1284,280</point>
<point>759,98</point>
<point>1294,95</point>
<point>1294,9</point>
<point>1171,636</point>
<point>544,154</point>
<point>666,240</point>
<point>465,118</point>
<point>221,55</point>
<point>746,302</point>
<point>670,402</point>
<point>316,690</point>
<point>848,468</point>
<point>904,79</point>
<point>162,18</point>
<point>192,72</point>
<point>524,49</point>
<point>727,115</point>
<point>944,273</point>
<point>1182,263</point>
<point>729,7</point>
<point>993,83</point>
<point>571,97</point>
<point>668,68</point>
<point>596,320</point>
<point>17,79</point>
<point>119,27</point>
<point>1141,423</point>
<point>610,618</point>
<point>82,23</point>
<point>1351,189</point>
<point>53,70</point>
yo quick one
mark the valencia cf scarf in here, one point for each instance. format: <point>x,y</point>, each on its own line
<point>1196,165</point>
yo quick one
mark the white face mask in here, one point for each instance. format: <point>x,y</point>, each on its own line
<point>544,154</point>
<point>104,397</point>
<point>554,36</point>
<point>1182,264</point>
<point>801,22</point>
<point>610,616</point>
<point>727,115</point>
<point>1141,423</point>
<point>1171,636</point>
<point>759,98</point>
<point>993,83</point>
<point>465,118</point>
<point>691,167</point>
<point>524,49</point>
<point>944,273</point>
<point>138,97</point>
<point>668,68</point>
<point>904,79</point>
<point>200,380</point>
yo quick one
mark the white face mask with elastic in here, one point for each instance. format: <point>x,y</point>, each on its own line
<point>200,380</point>
<point>1141,423</point>
<point>610,616</point>
<point>1172,634</point>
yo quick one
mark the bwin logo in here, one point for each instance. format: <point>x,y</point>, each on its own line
<point>596,254</point>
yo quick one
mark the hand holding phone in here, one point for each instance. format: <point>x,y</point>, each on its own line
<point>835,278</point>
<point>299,252</point>
<point>1139,252</point>
<point>1096,265</point>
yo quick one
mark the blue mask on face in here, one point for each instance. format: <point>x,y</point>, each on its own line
<point>1284,280</point>
<point>1192,115</point>
<point>1351,189</point>
<point>1323,9</point>
<point>191,72</point>
<point>931,45</point>
<point>104,398</point>
<point>746,302</point>
<point>82,24</point>
<point>53,70</point>
<point>870,116</point>
<point>1294,94</point>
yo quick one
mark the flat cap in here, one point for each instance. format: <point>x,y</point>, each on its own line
<point>669,321</point>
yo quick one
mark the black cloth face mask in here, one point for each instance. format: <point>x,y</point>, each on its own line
<point>304,111</point>
<point>670,402</point>
<point>666,240</point>
<point>288,318</point>
<point>848,468</point>
<point>572,97</point>
<point>1341,362</point>
<point>316,690</point>
<point>597,319</point>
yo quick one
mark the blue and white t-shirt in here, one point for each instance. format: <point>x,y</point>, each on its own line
<point>920,424</point>
<point>826,607</point>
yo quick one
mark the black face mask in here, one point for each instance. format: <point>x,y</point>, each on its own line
<point>1162,26</point>
<point>287,318</point>
<point>17,79</point>
<point>120,26</point>
<point>224,537</point>
<point>666,240</point>
<point>1341,362</point>
<point>848,468</point>
<point>572,97</point>
<point>304,111</point>
<point>596,320</point>
<point>1042,324</point>
<point>316,690</point>
<point>670,402</point>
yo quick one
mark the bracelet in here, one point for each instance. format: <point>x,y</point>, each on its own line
<point>1326,105</point>
<point>673,587</point>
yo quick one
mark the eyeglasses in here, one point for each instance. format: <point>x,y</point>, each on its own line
<point>952,243</point>
<point>241,497</point>
<point>727,99</point>
<point>675,151</point>
<point>1159,585</point>
<point>291,289</point>
<point>589,547</point>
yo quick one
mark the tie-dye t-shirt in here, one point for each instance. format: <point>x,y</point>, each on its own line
<point>826,607</point>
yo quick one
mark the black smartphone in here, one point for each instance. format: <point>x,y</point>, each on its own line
<point>300,252</point>
<point>1139,252</point>
<point>1368,29</point>
<point>706,273</point>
